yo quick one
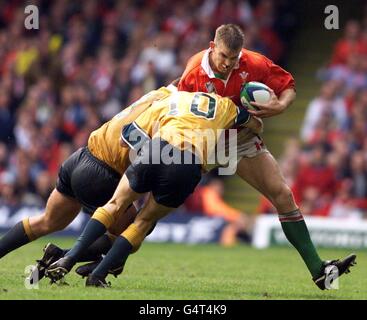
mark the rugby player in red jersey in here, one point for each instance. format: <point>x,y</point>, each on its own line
<point>223,68</point>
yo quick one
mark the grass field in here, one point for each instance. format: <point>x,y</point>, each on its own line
<point>172,271</point>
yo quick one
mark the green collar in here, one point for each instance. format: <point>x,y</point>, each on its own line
<point>219,76</point>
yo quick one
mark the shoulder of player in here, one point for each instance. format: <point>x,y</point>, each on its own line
<point>251,58</point>
<point>194,63</point>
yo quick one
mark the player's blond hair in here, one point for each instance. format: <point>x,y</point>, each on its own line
<point>231,36</point>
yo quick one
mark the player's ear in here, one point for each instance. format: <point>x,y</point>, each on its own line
<point>212,44</point>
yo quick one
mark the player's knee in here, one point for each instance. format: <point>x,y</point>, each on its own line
<point>284,196</point>
<point>120,202</point>
<point>144,224</point>
<point>46,225</point>
<point>112,211</point>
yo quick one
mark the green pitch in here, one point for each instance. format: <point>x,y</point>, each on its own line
<point>172,271</point>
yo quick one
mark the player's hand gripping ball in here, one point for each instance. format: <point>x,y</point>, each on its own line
<point>254,92</point>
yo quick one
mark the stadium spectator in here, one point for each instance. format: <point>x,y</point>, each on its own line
<point>327,104</point>
<point>349,44</point>
<point>208,200</point>
<point>358,175</point>
<point>8,193</point>
<point>316,181</point>
<point>344,205</point>
<point>350,75</point>
<point>6,118</point>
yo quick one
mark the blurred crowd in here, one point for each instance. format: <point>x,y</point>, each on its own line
<point>208,199</point>
<point>89,59</point>
<point>327,167</point>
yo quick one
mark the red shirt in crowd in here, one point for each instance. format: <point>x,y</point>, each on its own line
<point>344,48</point>
<point>322,178</point>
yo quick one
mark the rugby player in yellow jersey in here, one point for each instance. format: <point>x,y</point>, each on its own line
<point>168,166</point>
<point>88,178</point>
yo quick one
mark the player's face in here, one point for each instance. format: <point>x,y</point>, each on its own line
<point>223,58</point>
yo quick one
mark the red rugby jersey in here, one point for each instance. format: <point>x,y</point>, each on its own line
<point>251,66</point>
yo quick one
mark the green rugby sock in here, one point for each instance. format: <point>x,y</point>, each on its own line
<point>295,229</point>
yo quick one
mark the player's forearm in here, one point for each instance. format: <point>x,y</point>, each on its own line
<point>287,97</point>
<point>255,124</point>
<point>245,119</point>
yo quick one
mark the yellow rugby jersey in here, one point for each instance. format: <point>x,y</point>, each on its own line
<point>104,143</point>
<point>186,120</point>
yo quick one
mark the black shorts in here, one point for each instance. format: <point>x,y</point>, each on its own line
<point>87,179</point>
<point>170,184</point>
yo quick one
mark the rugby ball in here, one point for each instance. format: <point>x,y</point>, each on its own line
<point>254,92</point>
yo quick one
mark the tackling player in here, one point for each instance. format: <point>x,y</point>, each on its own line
<point>180,118</point>
<point>223,68</point>
<point>87,178</point>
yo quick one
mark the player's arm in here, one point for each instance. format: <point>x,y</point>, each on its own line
<point>186,83</point>
<point>282,86</point>
<point>138,107</point>
<point>245,119</point>
<point>286,98</point>
<point>275,105</point>
<point>189,78</point>
<point>255,124</point>
<point>144,103</point>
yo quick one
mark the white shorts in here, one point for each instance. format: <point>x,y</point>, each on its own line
<point>249,145</point>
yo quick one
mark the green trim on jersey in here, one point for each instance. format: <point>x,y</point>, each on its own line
<point>219,76</point>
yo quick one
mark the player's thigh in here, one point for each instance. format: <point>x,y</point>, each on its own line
<point>60,211</point>
<point>263,173</point>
